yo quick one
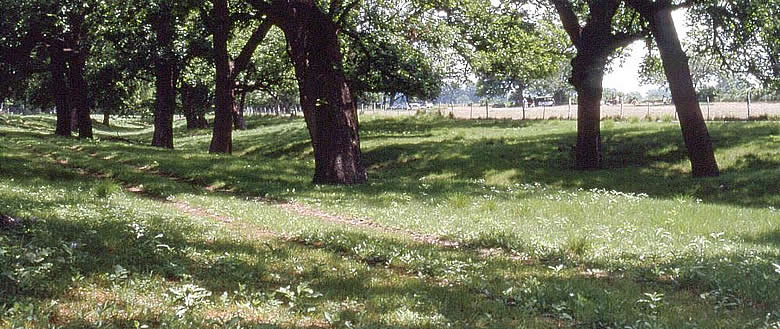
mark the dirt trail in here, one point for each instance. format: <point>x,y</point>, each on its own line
<point>292,207</point>
<point>306,210</point>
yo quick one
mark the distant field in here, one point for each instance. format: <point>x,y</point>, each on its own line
<point>714,111</point>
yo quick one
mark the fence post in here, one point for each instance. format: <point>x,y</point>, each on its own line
<point>471,110</point>
<point>487,110</point>
<point>523,112</point>
<point>748,104</point>
<point>648,109</point>
<point>708,108</point>
<point>621,107</point>
<point>569,115</point>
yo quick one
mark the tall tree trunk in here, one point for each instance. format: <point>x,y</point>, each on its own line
<point>58,68</point>
<point>222,139</point>
<point>76,40</point>
<point>694,129</point>
<point>79,93</point>
<point>165,103</point>
<point>328,106</point>
<point>587,76</point>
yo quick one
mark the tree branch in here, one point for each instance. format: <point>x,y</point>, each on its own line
<point>251,45</point>
<point>345,12</point>
<point>569,19</point>
<point>623,39</point>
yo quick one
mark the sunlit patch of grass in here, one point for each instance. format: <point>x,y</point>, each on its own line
<point>540,246</point>
<point>458,201</point>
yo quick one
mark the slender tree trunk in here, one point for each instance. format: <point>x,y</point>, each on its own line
<point>189,110</point>
<point>222,139</point>
<point>587,76</point>
<point>328,106</point>
<point>238,118</point>
<point>694,129</point>
<point>58,68</point>
<point>106,118</point>
<point>79,93</point>
<point>194,99</point>
<point>165,103</point>
<point>521,90</point>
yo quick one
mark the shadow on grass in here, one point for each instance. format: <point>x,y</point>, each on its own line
<point>771,238</point>
<point>416,287</point>
<point>275,159</point>
<point>106,242</point>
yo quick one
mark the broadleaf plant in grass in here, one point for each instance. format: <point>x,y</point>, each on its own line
<point>182,243</point>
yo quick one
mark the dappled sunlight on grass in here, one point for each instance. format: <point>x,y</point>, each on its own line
<point>462,224</point>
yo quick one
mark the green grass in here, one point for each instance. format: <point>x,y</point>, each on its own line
<point>637,245</point>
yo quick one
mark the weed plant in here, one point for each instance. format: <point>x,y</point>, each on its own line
<point>113,233</point>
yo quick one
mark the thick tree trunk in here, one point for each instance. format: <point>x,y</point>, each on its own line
<point>328,106</point>
<point>74,113</point>
<point>587,76</point>
<point>165,103</point>
<point>58,68</point>
<point>75,41</point>
<point>79,93</point>
<point>222,139</point>
<point>694,129</point>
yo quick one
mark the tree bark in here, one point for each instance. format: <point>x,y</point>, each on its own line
<point>79,93</point>
<point>328,106</point>
<point>74,113</point>
<point>165,88</point>
<point>222,139</point>
<point>587,77</point>
<point>58,68</point>
<point>675,62</point>
<point>75,41</point>
<point>106,118</point>
<point>227,73</point>
<point>594,42</point>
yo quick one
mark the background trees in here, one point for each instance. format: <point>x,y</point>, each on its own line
<point>745,36</point>
<point>111,56</point>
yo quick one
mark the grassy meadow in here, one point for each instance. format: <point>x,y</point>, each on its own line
<point>463,224</point>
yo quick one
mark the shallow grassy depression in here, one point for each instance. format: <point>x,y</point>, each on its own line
<point>463,224</point>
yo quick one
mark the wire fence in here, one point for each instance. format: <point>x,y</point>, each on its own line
<point>724,111</point>
<point>717,111</point>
